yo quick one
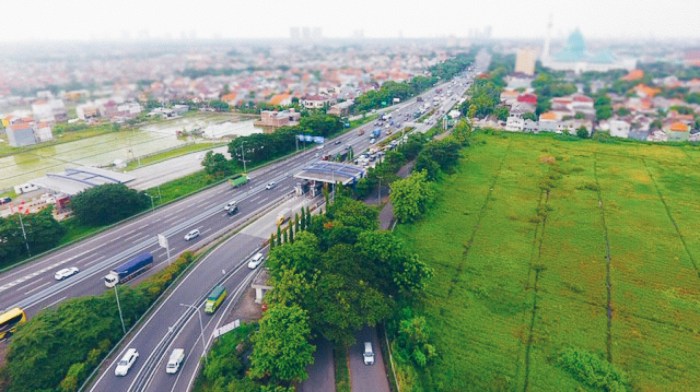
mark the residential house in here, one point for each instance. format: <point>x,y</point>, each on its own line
<point>515,123</point>
<point>21,133</point>
<point>530,126</point>
<point>341,109</point>
<point>42,132</point>
<point>49,110</point>
<point>317,101</point>
<point>619,128</point>
<point>509,97</point>
<point>276,119</point>
<point>283,99</point>
<point>677,131</point>
<point>230,98</point>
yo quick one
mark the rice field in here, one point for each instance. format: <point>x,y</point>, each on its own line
<point>540,244</point>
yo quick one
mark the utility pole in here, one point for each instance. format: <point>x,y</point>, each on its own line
<point>201,330</point>
<point>24,233</point>
<point>121,317</point>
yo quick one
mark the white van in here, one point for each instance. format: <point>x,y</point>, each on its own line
<point>230,204</point>
<point>176,358</point>
<point>368,354</point>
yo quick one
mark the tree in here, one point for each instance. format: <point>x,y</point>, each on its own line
<point>462,132</point>
<point>582,132</point>
<point>410,196</point>
<point>529,116</point>
<point>281,348</point>
<point>353,213</point>
<point>390,267</point>
<point>42,230</point>
<point>109,203</point>
<point>341,306</point>
<point>301,256</point>
<point>216,165</point>
<point>219,106</point>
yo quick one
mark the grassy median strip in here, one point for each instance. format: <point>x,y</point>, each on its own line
<point>342,372</point>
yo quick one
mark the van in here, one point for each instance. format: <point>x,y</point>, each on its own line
<point>230,204</point>
<point>176,358</point>
<point>368,355</point>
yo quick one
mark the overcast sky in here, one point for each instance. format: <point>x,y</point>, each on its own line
<point>103,19</point>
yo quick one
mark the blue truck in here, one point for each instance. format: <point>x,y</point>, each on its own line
<point>129,270</point>
<point>376,133</point>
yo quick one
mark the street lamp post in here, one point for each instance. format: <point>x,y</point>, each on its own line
<point>243,156</point>
<point>24,233</point>
<point>201,329</point>
<point>153,206</point>
<point>121,317</point>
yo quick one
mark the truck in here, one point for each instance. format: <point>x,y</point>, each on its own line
<point>283,216</point>
<point>238,180</point>
<point>376,133</point>
<point>129,270</point>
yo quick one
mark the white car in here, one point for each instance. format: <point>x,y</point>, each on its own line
<point>270,185</point>
<point>256,260</point>
<point>229,205</point>
<point>368,355</point>
<point>192,235</point>
<point>126,362</point>
<point>372,141</point>
<point>66,273</point>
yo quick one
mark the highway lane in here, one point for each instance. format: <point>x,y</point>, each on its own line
<point>173,325</point>
<point>166,328</point>
<point>32,285</point>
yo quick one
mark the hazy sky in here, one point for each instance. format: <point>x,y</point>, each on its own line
<point>104,19</point>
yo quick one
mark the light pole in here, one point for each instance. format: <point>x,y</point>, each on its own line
<point>153,206</point>
<point>24,233</point>
<point>243,156</point>
<point>121,317</point>
<point>201,329</point>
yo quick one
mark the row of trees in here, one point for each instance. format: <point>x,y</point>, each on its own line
<point>42,233</point>
<point>58,348</point>
<point>403,90</point>
<point>485,93</point>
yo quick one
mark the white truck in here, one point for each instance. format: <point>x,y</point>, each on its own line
<point>176,358</point>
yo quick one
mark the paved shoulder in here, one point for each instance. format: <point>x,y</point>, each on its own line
<point>322,371</point>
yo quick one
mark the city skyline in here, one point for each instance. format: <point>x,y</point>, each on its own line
<point>131,20</point>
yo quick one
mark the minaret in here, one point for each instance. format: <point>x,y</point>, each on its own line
<point>547,38</point>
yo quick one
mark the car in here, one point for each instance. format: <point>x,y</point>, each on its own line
<point>256,260</point>
<point>233,210</point>
<point>126,362</point>
<point>368,355</point>
<point>66,273</point>
<point>192,234</point>
<point>270,185</point>
<point>230,204</point>
<point>5,200</point>
<point>337,142</point>
<point>372,141</point>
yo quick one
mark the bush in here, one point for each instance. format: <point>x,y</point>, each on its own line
<point>592,370</point>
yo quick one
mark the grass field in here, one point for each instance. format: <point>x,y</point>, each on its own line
<point>541,244</point>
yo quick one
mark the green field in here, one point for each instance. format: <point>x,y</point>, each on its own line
<point>518,239</point>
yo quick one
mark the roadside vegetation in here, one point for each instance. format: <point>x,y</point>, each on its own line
<point>560,264</point>
<point>58,348</point>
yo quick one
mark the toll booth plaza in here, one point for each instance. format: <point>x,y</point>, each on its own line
<point>314,175</point>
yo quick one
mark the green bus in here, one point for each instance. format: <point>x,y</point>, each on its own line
<point>215,298</point>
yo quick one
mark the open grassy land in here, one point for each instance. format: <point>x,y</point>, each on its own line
<point>540,244</point>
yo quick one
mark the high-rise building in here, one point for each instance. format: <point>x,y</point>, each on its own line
<point>525,60</point>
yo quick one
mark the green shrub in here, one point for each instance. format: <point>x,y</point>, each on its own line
<point>593,371</point>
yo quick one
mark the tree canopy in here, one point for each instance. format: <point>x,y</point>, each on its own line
<point>109,203</point>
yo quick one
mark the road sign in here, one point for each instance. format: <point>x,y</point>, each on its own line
<point>227,328</point>
<point>162,241</point>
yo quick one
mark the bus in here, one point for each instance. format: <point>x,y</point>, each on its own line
<point>10,320</point>
<point>215,298</point>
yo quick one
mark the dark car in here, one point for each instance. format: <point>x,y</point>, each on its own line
<point>5,200</point>
<point>233,210</point>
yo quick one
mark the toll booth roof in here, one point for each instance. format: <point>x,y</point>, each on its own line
<point>331,172</point>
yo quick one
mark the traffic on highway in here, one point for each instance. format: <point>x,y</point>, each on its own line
<point>131,251</point>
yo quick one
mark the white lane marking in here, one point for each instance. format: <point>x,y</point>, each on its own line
<point>38,287</point>
<point>97,259</point>
<point>54,302</point>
